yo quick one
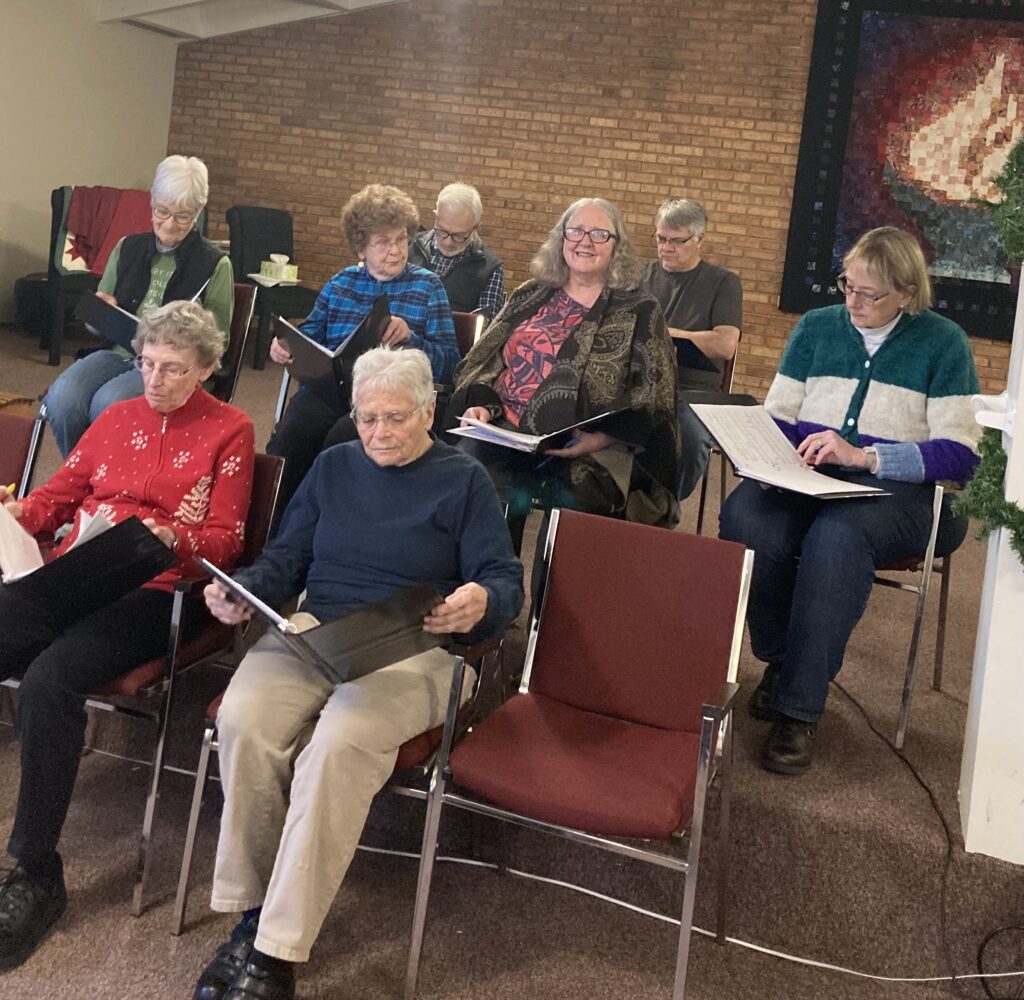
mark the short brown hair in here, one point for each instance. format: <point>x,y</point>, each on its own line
<point>376,207</point>
<point>895,258</point>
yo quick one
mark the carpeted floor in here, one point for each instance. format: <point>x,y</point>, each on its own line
<point>843,865</point>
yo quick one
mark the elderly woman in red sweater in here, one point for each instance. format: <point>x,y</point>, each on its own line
<point>181,462</point>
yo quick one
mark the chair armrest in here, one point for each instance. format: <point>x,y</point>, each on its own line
<point>720,703</point>
<point>474,651</point>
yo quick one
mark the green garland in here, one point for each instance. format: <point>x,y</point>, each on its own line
<point>1009,213</point>
<point>984,499</point>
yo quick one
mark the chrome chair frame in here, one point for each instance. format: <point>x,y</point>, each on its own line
<point>163,690</point>
<point>728,375</point>
<point>395,784</point>
<point>715,758</point>
<point>927,564</point>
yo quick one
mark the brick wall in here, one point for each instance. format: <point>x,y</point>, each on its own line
<point>536,102</point>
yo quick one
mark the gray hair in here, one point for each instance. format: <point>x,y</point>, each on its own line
<point>182,180</point>
<point>460,195</point>
<point>682,213</point>
<point>549,267</point>
<point>183,325</point>
<point>388,369</point>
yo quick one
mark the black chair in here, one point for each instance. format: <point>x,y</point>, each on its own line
<point>255,234</point>
<point>225,380</point>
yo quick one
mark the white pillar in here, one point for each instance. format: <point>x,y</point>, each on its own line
<point>992,771</point>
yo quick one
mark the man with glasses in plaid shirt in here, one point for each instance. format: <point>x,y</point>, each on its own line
<point>471,273</point>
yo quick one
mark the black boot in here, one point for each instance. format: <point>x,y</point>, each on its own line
<point>263,978</point>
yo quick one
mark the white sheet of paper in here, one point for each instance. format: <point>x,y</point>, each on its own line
<point>89,526</point>
<point>19,553</point>
<point>757,447</point>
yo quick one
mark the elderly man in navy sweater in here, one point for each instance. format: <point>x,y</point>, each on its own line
<point>300,758</point>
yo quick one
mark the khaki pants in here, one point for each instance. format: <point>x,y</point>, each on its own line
<point>300,761</point>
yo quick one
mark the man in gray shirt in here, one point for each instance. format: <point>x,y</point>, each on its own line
<point>703,306</point>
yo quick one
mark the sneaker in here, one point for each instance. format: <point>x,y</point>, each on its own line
<point>228,963</point>
<point>29,907</point>
<point>789,748</point>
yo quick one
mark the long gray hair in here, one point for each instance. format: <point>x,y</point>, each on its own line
<point>549,267</point>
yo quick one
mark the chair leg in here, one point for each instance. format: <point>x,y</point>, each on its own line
<point>428,852</point>
<point>703,499</point>
<point>724,841</point>
<point>940,633</point>
<point>693,858</point>
<point>181,897</point>
<point>262,348</point>
<point>56,328</point>
<point>723,471</point>
<point>158,759</point>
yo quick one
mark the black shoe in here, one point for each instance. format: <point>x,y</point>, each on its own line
<point>789,748</point>
<point>760,704</point>
<point>228,963</point>
<point>29,907</point>
<point>255,982</point>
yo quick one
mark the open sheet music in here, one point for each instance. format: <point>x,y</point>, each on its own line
<point>521,441</point>
<point>759,450</point>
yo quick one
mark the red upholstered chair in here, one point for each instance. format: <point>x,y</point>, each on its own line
<point>146,692</point>
<point>414,759</point>
<point>623,715</point>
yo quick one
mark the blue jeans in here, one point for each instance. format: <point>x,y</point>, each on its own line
<point>83,391</point>
<point>814,561</point>
<point>696,443</point>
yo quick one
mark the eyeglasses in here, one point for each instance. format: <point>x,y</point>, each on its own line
<point>368,421</point>
<point>456,238</point>
<point>574,234</point>
<point>395,244</point>
<point>170,370</point>
<point>162,214</point>
<point>671,241</point>
<point>850,292</point>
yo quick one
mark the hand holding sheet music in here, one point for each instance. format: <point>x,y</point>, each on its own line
<point>759,450</point>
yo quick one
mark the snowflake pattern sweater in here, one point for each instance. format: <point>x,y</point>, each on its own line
<point>190,469</point>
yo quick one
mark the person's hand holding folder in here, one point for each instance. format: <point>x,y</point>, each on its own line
<point>107,297</point>
<point>461,611</point>
<point>224,606</point>
<point>582,443</point>
<point>9,502</point>
<point>396,332</point>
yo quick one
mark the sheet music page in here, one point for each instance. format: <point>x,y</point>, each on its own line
<point>89,526</point>
<point>757,447</point>
<point>749,436</point>
<point>19,553</point>
<point>483,431</point>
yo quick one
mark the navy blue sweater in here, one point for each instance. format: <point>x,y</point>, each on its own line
<point>357,532</point>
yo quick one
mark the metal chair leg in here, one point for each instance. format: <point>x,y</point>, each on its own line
<point>940,633</point>
<point>703,499</point>
<point>915,639</point>
<point>158,758</point>
<point>692,859</point>
<point>181,897</point>
<point>724,843</point>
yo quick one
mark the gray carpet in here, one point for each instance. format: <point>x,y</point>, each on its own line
<point>842,865</point>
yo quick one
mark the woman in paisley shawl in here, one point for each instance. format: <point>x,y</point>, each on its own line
<point>577,340</point>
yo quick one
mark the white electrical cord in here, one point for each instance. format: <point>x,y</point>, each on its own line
<point>413,855</point>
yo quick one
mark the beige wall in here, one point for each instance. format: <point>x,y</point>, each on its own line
<point>83,103</point>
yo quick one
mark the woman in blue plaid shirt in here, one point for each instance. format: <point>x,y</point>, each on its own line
<point>378,222</point>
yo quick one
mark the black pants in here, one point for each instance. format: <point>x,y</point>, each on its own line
<point>316,416</point>
<point>61,662</point>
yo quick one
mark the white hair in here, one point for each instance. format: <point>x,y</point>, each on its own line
<point>391,369</point>
<point>460,195</point>
<point>182,181</point>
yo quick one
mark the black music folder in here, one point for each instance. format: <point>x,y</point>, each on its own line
<point>375,635</point>
<point>98,572</point>
<point>112,322</point>
<point>311,360</point>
